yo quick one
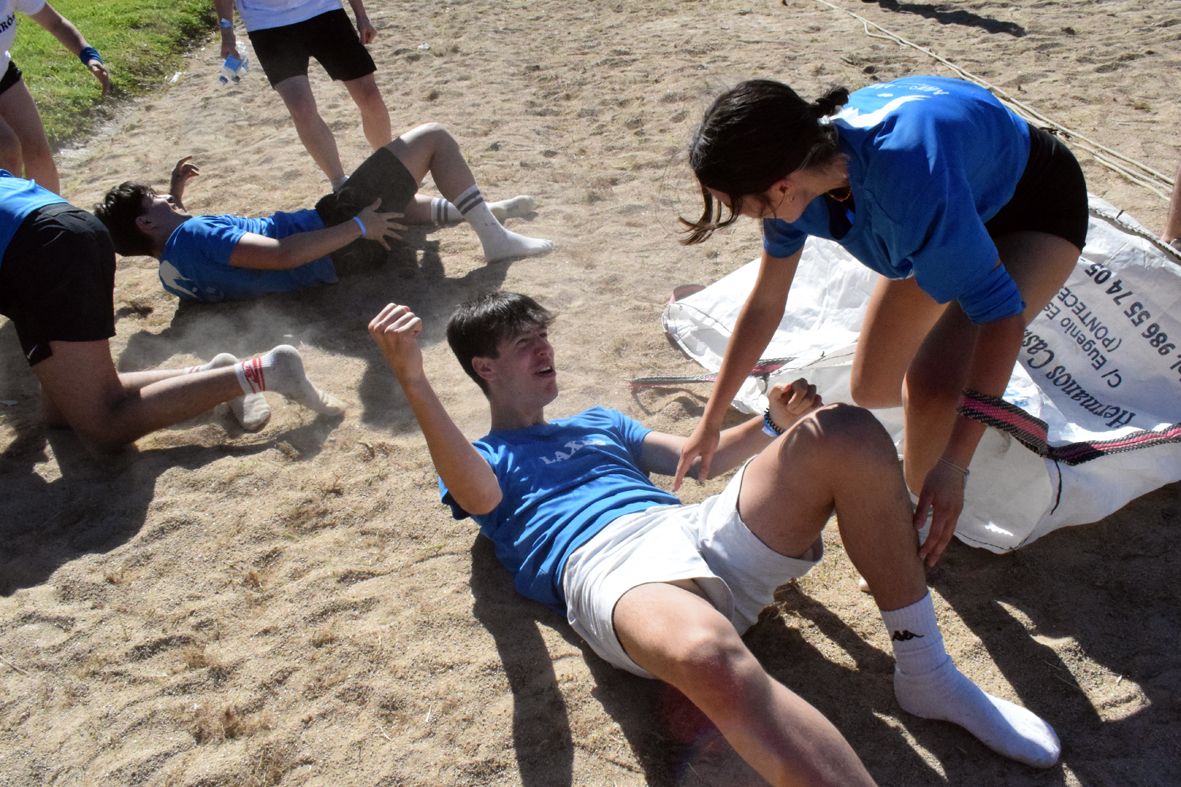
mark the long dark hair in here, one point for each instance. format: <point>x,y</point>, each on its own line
<point>751,136</point>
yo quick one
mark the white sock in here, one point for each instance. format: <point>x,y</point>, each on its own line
<point>281,371</point>
<point>498,243</point>
<point>338,183</point>
<point>927,684</point>
<point>251,410</point>
<point>444,214</point>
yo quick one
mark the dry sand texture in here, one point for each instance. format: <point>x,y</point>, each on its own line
<point>293,606</point>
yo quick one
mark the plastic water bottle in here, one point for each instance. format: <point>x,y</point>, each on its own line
<point>233,68</point>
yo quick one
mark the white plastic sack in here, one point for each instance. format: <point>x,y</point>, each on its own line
<point>1101,367</point>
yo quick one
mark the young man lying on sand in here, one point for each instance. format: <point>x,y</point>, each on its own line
<point>665,590</point>
<point>57,282</point>
<point>215,258</point>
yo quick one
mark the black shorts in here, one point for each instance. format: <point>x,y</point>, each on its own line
<point>57,280</point>
<point>11,76</point>
<point>381,176</point>
<point>1051,196</point>
<point>283,52</point>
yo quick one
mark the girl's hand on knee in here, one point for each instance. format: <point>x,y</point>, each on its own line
<point>943,498</point>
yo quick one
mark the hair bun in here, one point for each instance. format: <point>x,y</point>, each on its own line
<point>828,104</point>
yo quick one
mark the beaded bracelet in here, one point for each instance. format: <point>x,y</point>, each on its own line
<point>770,428</point>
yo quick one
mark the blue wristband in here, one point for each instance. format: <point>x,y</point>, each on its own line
<point>770,428</point>
<point>360,224</point>
<point>225,24</point>
<point>89,53</point>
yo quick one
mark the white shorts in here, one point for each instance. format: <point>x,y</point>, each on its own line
<point>707,542</point>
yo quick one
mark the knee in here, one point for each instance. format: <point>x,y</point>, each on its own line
<point>11,155</point>
<point>875,392</point>
<point>708,660</point>
<point>929,393</point>
<point>36,150</point>
<point>368,96</point>
<point>103,438</point>
<point>105,428</point>
<point>301,105</point>
<point>437,133</point>
<point>847,430</point>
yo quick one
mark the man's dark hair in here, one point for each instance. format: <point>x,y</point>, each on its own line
<point>119,209</point>
<point>478,327</point>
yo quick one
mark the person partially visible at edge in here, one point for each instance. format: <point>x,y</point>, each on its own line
<point>665,590</point>
<point>1172,231</point>
<point>57,282</point>
<point>215,258</point>
<point>286,35</point>
<point>24,149</point>
<point>973,218</point>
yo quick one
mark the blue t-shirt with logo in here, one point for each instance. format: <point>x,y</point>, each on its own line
<point>561,483</point>
<point>931,159</point>
<point>195,263</point>
<point>19,198</point>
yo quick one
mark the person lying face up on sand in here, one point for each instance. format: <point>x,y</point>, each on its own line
<point>665,590</point>
<point>973,218</point>
<point>215,258</point>
<point>57,282</point>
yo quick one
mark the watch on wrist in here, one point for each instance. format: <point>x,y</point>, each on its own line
<point>225,24</point>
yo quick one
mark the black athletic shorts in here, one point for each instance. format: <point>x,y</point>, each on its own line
<point>11,77</point>
<point>381,176</point>
<point>57,280</point>
<point>1051,196</point>
<point>331,38</point>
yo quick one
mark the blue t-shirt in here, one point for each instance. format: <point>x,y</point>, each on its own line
<point>931,159</point>
<point>195,263</point>
<point>19,198</point>
<point>562,482</point>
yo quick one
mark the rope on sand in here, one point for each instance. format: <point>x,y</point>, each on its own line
<point>1141,174</point>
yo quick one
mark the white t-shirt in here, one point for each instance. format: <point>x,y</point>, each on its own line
<point>8,9</point>
<point>265,14</point>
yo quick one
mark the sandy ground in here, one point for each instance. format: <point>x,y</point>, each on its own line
<point>293,606</point>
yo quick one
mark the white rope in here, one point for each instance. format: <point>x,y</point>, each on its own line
<point>1141,174</point>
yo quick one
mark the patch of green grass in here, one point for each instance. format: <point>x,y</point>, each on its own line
<point>142,41</point>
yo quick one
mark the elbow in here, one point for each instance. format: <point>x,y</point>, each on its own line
<point>480,502</point>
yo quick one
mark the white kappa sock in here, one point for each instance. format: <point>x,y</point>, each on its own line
<point>927,684</point>
<point>251,411</point>
<point>444,214</point>
<point>281,371</point>
<point>498,243</point>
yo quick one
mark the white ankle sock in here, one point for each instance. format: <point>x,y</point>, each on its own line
<point>498,243</point>
<point>915,637</point>
<point>444,214</point>
<point>281,371</point>
<point>927,684</point>
<point>338,183</point>
<point>251,410</point>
